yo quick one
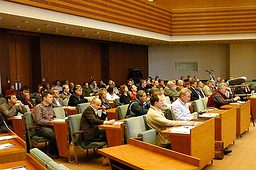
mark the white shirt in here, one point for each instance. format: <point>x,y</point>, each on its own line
<point>180,110</point>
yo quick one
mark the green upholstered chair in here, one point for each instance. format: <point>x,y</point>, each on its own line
<point>59,112</point>
<point>122,110</point>
<point>136,128</point>
<point>82,106</point>
<point>40,156</point>
<point>65,101</point>
<point>30,129</point>
<point>75,132</point>
<point>198,106</point>
<point>55,166</point>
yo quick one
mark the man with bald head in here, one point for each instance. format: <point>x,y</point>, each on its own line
<point>90,121</point>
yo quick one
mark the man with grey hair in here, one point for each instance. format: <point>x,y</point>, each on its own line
<point>208,88</point>
<point>170,90</point>
<point>218,98</point>
<point>180,108</point>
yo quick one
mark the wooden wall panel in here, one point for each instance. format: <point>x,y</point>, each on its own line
<point>124,57</point>
<point>69,58</point>
<point>183,4</point>
<point>20,59</point>
<point>4,59</point>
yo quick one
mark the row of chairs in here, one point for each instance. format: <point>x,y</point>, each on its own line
<point>45,160</point>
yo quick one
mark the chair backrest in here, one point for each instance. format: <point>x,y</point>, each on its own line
<point>82,106</point>
<point>55,166</point>
<point>29,122</point>
<point>134,126</point>
<point>205,101</point>
<point>167,100</point>
<point>122,110</point>
<point>198,106</point>
<point>27,108</point>
<point>65,101</point>
<point>59,112</point>
<point>40,156</point>
<point>74,126</point>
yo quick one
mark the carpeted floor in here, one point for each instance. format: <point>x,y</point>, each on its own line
<point>243,157</point>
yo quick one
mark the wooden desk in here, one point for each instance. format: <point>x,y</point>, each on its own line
<point>16,153</point>
<point>253,107</point>
<point>30,163</point>
<point>112,114</point>
<point>225,126</point>
<point>199,143</point>
<point>140,155</point>
<point>242,116</point>
<point>70,110</point>
<point>62,136</point>
<point>115,134</point>
<point>18,126</point>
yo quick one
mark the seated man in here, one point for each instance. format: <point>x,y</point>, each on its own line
<point>139,106</point>
<point>43,113</point>
<point>90,121</point>
<point>77,98</point>
<point>11,108</point>
<point>57,101</point>
<point>156,120</point>
<point>218,98</point>
<point>170,90</point>
<point>180,108</point>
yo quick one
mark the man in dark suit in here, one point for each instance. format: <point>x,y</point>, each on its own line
<point>90,121</point>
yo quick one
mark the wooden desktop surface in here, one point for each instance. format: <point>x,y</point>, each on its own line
<point>70,110</point>
<point>139,155</point>
<point>242,116</point>
<point>16,153</point>
<point>225,126</point>
<point>199,143</point>
<point>62,136</point>
<point>30,163</point>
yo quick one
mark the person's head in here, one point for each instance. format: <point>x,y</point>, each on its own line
<point>185,95</point>
<point>170,84</point>
<point>55,93</point>
<point>96,103</point>
<point>24,90</point>
<point>65,88</point>
<point>141,96</point>
<point>143,83</point>
<point>123,89</point>
<point>71,85</point>
<point>134,88</point>
<point>47,97</point>
<point>222,87</point>
<point>155,91</point>
<point>180,83</point>
<point>12,99</point>
<point>39,88</point>
<point>78,90</point>
<point>157,101</point>
<point>57,83</point>
<point>102,93</point>
<point>193,83</point>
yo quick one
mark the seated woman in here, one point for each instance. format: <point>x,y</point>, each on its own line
<point>124,98</point>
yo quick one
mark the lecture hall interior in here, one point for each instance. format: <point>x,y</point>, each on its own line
<point>85,40</point>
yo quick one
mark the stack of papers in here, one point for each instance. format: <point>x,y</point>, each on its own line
<point>17,168</point>
<point>205,115</point>
<point>118,123</point>
<point>181,129</point>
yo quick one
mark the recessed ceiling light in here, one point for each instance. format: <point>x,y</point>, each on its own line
<point>38,29</point>
<point>26,22</point>
<point>66,28</point>
<point>98,32</point>
<point>150,0</point>
<point>83,30</point>
<point>47,25</point>
<point>72,33</point>
<point>17,26</point>
<point>1,18</point>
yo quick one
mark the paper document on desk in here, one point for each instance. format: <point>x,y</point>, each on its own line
<point>58,120</point>
<point>181,129</point>
<point>17,168</point>
<point>6,137</point>
<point>209,115</point>
<point>6,146</point>
<point>240,101</point>
<point>118,123</point>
